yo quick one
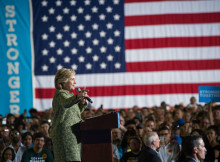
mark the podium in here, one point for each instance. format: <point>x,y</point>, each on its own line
<point>97,139</point>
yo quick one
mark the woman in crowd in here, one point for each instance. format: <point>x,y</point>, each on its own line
<point>212,138</point>
<point>8,155</point>
<point>27,140</point>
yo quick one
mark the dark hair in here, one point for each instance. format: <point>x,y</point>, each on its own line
<point>163,127</point>
<point>44,122</point>
<point>175,126</point>
<point>213,127</point>
<point>199,131</point>
<point>34,127</point>
<point>33,110</point>
<point>130,122</point>
<point>12,151</point>
<point>144,108</point>
<point>38,135</point>
<point>14,129</point>
<point>189,143</point>
<point>25,135</point>
<point>150,119</point>
<point>196,121</point>
<point>217,107</point>
<point>134,137</point>
<point>204,137</point>
<point>127,134</point>
<point>10,115</point>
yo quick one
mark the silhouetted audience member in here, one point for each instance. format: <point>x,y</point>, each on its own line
<point>149,153</point>
<point>193,149</point>
<point>135,144</point>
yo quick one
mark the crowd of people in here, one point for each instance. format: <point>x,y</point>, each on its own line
<point>161,133</point>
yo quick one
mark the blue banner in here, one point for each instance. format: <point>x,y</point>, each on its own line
<point>209,93</point>
<point>16,60</point>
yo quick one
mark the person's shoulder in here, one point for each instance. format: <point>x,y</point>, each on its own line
<point>156,159</point>
<point>150,150</point>
<point>147,151</point>
<point>45,151</point>
<point>47,154</point>
<point>128,154</point>
<point>22,149</point>
<point>188,160</point>
<point>59,92</point>
<point>174,143</point>
<point>29,150</point>
<point>150,155</point>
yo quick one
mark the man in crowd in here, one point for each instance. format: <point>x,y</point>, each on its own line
<point>5,134</point>
<point>117,139</point>
<point>169,149</point>
<point>149,154</point>
<point>194,148</point>
<point>150,123</point>
<point>38,153</point>
<point>16,144</point>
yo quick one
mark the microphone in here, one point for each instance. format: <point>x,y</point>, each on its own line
<point>89,99</point>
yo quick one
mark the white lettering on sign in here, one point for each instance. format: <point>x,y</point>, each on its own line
<point>13,64</point>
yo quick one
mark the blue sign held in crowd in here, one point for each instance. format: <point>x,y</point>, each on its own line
<point>209,93</point>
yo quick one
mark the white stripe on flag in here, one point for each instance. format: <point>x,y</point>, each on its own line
<point>171,7</point>
<point>165,77</point>
<point>197,53</point>
<point>127,101</point>
<point>161,31</point>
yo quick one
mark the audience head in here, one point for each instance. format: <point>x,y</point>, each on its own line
<point>131,124</point>
<point>205,122</point>
<point>150,123</point>
<point>194,146</point>
<point>187,116</point>
<point>178,113</point>
<point>192,100</point>
<point>145,131</point>
<point>39,141</point>
<point>152,140</point>
<point>10,119</point>
<point>165,132</point>
<point>122,120</point>
<point>15,136</point>
<point>144,112</point>
<point>135,143</point>
<point>217,112</point>
<point>8,154</point>
<point>33,112</point>
<point>212,133</point>
<point>5,132</point>
<point>45,127</point>
<point>116,134</point>
<point>27,139</point>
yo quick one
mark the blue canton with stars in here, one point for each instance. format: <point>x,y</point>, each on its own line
<point>87,36</point>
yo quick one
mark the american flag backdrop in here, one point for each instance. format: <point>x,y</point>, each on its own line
<point>131,52</point>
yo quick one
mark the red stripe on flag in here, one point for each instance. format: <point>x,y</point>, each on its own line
<point>173,65</point>
<point>172,42</point>
<point>172,19</point>
<point>153,89</point>
<point>44,92</point>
